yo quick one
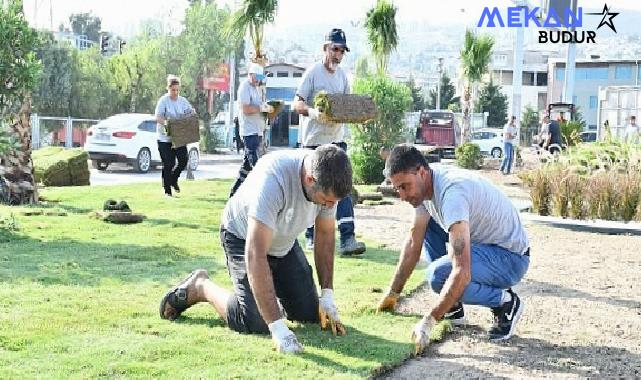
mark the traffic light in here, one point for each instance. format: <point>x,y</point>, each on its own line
<point>104,44</point>
<point>121,46</point>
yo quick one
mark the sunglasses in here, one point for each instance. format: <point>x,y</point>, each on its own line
<point>337,49</point>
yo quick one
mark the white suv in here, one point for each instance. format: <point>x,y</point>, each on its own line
<point>490,140</point>
<point>130,138</point>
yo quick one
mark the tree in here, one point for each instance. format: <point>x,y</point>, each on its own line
<point>494,102</point>
<point>19,69</point>
<point>380,23</point>
<point>447,94</point>
<point>529,125</point>
<point>418,103</point>
<point>86,24</point>
<point>55,85</point>
<point>392,100</point>
<point>253,16</point>
<point>361,68</point>
<point>475,58</point>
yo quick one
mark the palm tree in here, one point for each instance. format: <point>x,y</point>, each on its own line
<point>475,58</point>
<point>19,69</point>
<point>381,32</point>
<point>252,16</point>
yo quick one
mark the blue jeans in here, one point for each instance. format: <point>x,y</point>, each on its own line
<point>493,268</point>
<point>252,143</point>
<point>508,155</point>
<point>344,212</point>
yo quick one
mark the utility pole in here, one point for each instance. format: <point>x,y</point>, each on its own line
<point>570,64</point>
<point>439,69</point>
<point>517,68</point>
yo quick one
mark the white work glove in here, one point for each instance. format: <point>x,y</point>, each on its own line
<point>266,108</point>
<point>284,338</point>
<point>421,333</point>
<point>328,312</point>
<point>313,113</point>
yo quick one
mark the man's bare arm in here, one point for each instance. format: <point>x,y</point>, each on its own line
<point>324,236</point>
<point>249,109</point>
<point>411,252</point>
<point>460,276</point>
<point>259,239</point>
<point>300,106</point>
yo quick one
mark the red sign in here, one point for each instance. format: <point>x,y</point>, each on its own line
<point>216,77</point>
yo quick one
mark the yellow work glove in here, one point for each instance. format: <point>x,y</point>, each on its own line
<point>328,313</point>
<point>421,334</point>
<point>388,303</point>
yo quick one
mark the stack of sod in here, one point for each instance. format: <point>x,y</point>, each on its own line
<point>345,108</point>
<point>184,131</point>
<point>55,166</point>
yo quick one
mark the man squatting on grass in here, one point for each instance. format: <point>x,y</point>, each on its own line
<point>284,193</point>
<point>489,249</point>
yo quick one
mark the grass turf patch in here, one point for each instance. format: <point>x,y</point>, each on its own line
<point>80,296</point>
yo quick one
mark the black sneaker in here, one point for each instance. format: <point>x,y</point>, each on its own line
<point>506,317</point>
<point>456,314</point>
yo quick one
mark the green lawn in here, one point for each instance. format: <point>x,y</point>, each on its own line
<point>79,297</point>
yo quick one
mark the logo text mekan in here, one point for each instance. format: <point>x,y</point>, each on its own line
<point>518,17</point>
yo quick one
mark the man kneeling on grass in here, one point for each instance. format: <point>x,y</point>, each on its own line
<point>285,193</point>
<point>489,249</point>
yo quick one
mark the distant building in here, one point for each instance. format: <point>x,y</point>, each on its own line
<point>534,78</point>
<point>590,74</point>
<point>80,42</point>
<point>281,84</point>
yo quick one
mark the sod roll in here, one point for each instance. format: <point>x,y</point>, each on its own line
<point>345,108</point>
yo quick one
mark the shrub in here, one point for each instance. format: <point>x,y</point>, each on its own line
<point>540,192</point>
<point>630,195</point>
<point>560,192</point>
<point>571,132</point>
<point>469,156</point>
<point>392,100</point>
<point>576,196</point>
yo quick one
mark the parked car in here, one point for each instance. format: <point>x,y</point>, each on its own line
<point>129,138</point>
<point>588,136</point>
<point>489,140</point>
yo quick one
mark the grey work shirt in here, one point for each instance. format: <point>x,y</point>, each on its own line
<point>460,195</point>
<point>252,124</point>
<point>170,109</point>
<point>315,79</point>
<point>273,195</point>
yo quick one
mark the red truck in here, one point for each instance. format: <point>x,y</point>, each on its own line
<point>436,135</point>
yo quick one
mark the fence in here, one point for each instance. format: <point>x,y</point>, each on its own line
<point>59,131</point>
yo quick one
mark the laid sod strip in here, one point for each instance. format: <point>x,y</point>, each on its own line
<point>80,296</point>
<point>440,330</point>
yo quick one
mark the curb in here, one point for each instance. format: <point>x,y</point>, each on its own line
<point>220,161</point>
<point>595,226</point>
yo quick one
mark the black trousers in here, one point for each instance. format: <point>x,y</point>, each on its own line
<point>170,170</point>
<point>293,283</point>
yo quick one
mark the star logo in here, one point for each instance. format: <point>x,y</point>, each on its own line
<point>607,18</point>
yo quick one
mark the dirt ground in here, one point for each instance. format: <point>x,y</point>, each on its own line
<point>582,296</point>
